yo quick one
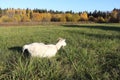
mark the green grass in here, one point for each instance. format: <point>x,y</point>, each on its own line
<point>92,53</point>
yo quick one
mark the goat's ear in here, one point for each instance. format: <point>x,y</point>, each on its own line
<point>59,39</point>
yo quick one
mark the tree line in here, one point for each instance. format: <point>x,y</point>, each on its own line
<point>43,15</point>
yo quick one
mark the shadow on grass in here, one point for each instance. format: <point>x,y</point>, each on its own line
<point>19,50</point>
<point>103,27</point>
<point>16,49</point>
<point>98,36</point>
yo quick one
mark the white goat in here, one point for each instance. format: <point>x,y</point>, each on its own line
<point>43,50</point>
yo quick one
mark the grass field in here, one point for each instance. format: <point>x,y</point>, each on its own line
<point>92,52</point>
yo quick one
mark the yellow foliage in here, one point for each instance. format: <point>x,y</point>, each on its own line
<point>56,17</point>
<point>101,19</point>
<point>69,17</point>
<point>84,16</point>
<point>17,18</point>
<point>6,19</point>
<point>10,13</point>
<point>63,18</point>
<point>75,17</point>
<point>37,17</point>
<point>114,14</point>
<point>25,18</point>
<point>46,17</point>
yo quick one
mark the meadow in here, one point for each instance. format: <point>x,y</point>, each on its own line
<point>92,52</point>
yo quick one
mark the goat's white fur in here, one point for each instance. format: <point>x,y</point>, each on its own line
<point>43,50</point>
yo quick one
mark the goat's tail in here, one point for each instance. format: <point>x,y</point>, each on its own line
<point>24,48</point>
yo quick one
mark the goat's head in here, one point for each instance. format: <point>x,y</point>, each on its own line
<point>62,42</point>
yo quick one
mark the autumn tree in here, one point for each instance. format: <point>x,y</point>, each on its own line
<point>18,11</point>
<point>37,17</point>
<point>46,17</point>
<point>75,17</point>
<point>17,18</point>
<point>43,15</point>
<point>55,17</point>
<point>63,18</point>
<point>68,17</point>
<point>10,13</point>
<point>100,20</point>
<point>114,16</point>
<point>118,15</point>
<point>31,15</point>
<point>5,18</point>
<point>83,16</point>
<point>91,18</point>
<point>25,18</point>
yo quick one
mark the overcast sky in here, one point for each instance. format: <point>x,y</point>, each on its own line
<point>62,5</point>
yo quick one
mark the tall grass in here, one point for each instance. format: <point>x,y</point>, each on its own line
<point>92,53</point>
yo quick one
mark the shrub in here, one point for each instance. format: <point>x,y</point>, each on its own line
<point>69,17</point>
<point>6,19</point>
<point>25,19</point>
<point>101,20</point>
<point>56,17</point>
<point>62,18</point>
<point>75,17</point>
<point>17,18</point>
<point>37,17</point>
<point>91,18</point>
<point>46,17</point>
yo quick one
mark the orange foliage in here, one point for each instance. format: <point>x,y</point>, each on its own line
<point>84,16</point>
<point>46,17</point>
<point>37,17</point>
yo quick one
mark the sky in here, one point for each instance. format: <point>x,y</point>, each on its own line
<point>62,5</point>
